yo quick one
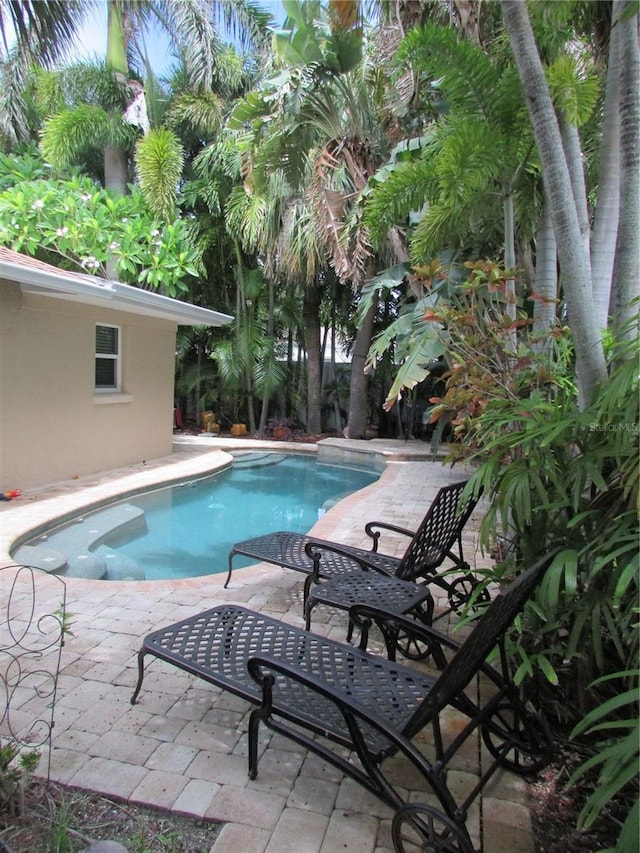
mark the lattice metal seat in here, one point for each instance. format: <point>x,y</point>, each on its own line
<point>319,692</point>
<point>360,576</point>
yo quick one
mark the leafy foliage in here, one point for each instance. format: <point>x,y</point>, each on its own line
<point>619,756</point>
<point>76,225</point>
<point>558,476</point>
<point>70,136</point>
<point>159,162</point>
<point>15,766</point>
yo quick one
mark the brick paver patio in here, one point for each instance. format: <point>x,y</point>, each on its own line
<point>183,747</point>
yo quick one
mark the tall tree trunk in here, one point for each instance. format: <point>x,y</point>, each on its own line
<point>311,319</point>
<point>510,262</point>
<point>573,157</point>
<point>116,162</point>
<point>264,410</point>
<point>625,271</point>
<point>116,170</point>
<point>605,223</point>
<point>546,285</point>
<point>357,417</point>
<point>574,261</point>
<point>116,167</point>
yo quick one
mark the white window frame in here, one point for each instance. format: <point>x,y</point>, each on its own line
<point>116,357</point>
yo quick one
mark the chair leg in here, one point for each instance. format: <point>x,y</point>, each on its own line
<point>308,607</point>
<point>350,630</point>
<point>231,556</point>
<point>141,655</point>
<point>253,733</point>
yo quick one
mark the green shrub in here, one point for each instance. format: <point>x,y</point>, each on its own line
<point>558,475</point>
<point>15,767</point>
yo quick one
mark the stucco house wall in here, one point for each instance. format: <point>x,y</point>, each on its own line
<point>53,424</point>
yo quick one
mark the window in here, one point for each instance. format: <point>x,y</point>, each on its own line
<point>107,358</point>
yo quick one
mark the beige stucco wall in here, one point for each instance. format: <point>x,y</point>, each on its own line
<point>52,424</point>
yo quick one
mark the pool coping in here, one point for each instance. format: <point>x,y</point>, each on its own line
<point>193,457</point>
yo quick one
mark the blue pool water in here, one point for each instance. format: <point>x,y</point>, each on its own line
<point>188,530</point>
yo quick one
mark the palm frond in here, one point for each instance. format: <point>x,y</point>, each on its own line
<point>463,71</point>
<point>300,249</point>
<point>195,114</point>
<point>46,31</point>
<point>13,114</point>
<point>396,190</point>
<point>247,21</point>
<point>246,215</point>
<point>190,25</point>
<point>159,160</point>
<point>68,136</point>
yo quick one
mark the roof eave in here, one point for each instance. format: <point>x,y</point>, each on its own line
<point>95,291</point>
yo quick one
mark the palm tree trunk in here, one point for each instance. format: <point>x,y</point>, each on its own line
<point>573,157</point>
<point>546,285</point>
<point>625,286</point>
<point>605,224</point>
<point>574,261</point>
<point>116,168</point>
<point>115,159</point>
<point>510,262</point>
<point>357,418</point>
<point>264,410</point>
<point>311,319</point>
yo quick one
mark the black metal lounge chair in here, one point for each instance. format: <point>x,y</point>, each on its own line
<point>319,693</point>
<point>389,580</point>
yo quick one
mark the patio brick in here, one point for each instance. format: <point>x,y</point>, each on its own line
<point>208,737</point>
<point>236,837</point>
<point>240,805</point>
<point>121,746</point>
<point>196,797</point>
<point>295,825</point>
<point>315,795</point>
<point>218,767</point>
<point>113,778</point>
<point>356,833</point>
<point>65,763</point>
<point>159,789</point>
<point>171,758</point>
<point>507,827</point>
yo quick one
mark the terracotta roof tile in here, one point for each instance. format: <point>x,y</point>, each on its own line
<point>11,257</point>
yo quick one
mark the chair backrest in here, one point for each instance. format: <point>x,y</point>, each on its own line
<point>438,532</point>
<point>472,654</point>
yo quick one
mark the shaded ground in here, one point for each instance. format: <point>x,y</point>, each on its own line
<point>555,809</point>
<point>63,820</point>
<point>56,819</point>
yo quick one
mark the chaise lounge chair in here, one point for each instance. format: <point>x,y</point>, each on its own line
<point>320,693</point>
<point>361,576</point>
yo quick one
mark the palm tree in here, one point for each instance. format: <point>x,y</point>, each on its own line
<point>322,123</point>
<point>42,31</point>
<point>573,252</point>
<point>31,31</point>
<point>191,26</point>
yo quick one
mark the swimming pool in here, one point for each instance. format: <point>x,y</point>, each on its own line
<point>188,530</point>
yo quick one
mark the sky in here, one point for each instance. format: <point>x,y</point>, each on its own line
<point>92,41</point>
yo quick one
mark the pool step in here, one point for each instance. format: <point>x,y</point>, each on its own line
<point>251,459</point>
<point>79,550</point>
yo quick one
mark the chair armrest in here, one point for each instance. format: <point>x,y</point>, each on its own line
<point>370,530</point>
<point>315,551</point>
<point>393,624</point>
<point>353,712</point>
